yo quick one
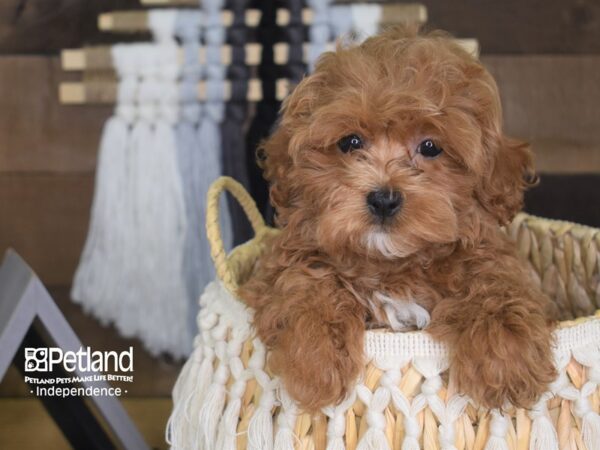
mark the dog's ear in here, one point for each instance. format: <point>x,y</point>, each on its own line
<point>273,157</point>
<point>508,172</point>
<point>277,153</point>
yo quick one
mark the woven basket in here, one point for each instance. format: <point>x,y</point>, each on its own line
<point>225,397</point>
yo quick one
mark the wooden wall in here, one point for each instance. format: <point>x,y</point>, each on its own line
<point>544,54</point>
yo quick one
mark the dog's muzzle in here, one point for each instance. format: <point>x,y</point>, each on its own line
<point>384,203</point>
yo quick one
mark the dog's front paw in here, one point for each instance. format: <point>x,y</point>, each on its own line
<point>319,363</point>
<point>494,364</point>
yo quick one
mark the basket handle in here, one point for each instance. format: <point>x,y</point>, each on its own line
<point>213,230</point>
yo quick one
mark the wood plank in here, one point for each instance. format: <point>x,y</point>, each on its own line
<point>551,99</point>
<point>149,414</point>
<point>45,219</point>
<point>36,131</point>
<point>46,26</point>
<point>513,26</point>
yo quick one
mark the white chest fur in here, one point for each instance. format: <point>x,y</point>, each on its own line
<point>402,313</point>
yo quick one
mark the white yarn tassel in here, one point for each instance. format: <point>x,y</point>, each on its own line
<point>498,430</point>
<point>590,430</point>
<point>285,437</point>
<point>374,438</point>
<point>185,394</point>
<point>590,420</point>
<point>99,280</point>
<point>212,409</point>
<point>413,431</point>
<point>228,428</point>
<point>260,428</point>
<point>543,434</point>
<point>284,440</point>
<point>227,439</point>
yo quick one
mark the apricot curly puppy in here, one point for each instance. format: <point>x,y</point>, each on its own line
<point>391,176</point>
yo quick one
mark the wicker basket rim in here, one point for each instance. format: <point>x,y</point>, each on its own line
<point>242,254</point>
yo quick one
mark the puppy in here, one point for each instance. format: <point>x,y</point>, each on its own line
<point>391,176</point>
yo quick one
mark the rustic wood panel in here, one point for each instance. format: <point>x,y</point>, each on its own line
<point>36,132</point>
<point>513,26</point>
<point>46,26</point>
<point>552,101</point>
<point>549,97</point>
<point>44,218</point>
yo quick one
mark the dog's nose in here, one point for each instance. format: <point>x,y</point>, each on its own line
<point>384,203</point>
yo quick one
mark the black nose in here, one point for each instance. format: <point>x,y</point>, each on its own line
<point>384,203</point>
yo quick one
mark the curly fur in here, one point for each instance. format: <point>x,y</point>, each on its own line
<point>315,288</point>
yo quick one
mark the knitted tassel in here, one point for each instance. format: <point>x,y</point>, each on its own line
<point>91,275</point>
<point>260,428</point>
<point>98,282</point>
<point>172,305</point>
<point>543,435</point>
<point>374,438</point>
<point>590,430</point>
<point>337,443</point>
<point>212,408</point>
<point>498,430</point>
<point>196,274</point>
<point>183,392</point>
<point>161,217</point>
<point>410,443</point>
<point>336,426</point>
<point>412,429</point>
<point>227,439</point>
<point>285,437</point>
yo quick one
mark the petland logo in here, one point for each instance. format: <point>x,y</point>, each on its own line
<point>83,360</point>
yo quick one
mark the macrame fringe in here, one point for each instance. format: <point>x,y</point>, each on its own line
<point>411,443</point>
<point>227,439</point>
<point>210,413</point>
<point>590,430</point>
<point>336,443</point>
<point>260,430</point>
<point>96,278</point>
<point>498,430</point>
<point>543,435</point>
<point>284,439</point>
<point>373,439</point>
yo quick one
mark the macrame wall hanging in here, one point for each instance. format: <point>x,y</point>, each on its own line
<point>146,258</point>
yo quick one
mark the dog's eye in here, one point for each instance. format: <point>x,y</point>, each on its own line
<point>428,149</point>
<point>349,143</point>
